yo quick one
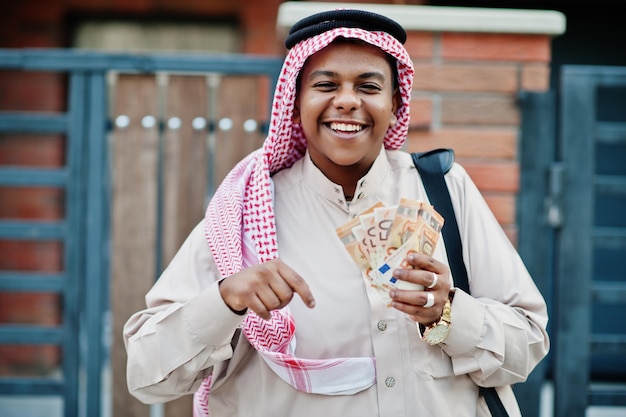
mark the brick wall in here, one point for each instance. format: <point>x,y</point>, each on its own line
<point>465,92</point>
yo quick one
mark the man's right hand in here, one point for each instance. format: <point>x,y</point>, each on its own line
<point>265,287</point>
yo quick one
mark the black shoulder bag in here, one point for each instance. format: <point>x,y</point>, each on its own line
<point>432,166</point>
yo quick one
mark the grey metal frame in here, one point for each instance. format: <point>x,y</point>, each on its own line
<point>84,231</point>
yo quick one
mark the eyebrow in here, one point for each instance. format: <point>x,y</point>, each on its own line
<point>364,76</point>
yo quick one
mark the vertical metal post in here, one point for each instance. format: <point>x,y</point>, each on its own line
<point>162,82</point>
<point>536,239</point>
<point>74,241</point>
<point>213,84</point>
<point>97,241</point>
<point>162,79</point>
<point>573,280</point>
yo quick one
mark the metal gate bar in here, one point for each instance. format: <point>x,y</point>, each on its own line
<point>536,237</point>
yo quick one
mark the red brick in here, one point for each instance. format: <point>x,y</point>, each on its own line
<point>493,176</point>
<point>127,7</point>
<point>420,45</point>
<point>498,110</point>
<point>421,113</point>
<point>466,78</point>
<point>30,308</point>
<point>535,77</point>
<point>41,151</point>
<point>490,143</point>
<point>45,14</point>
<point>498,47</point>
<point>37,24</point>
<point>32,91</point>
<point>511,232</point>
<point>213,7</point>
<point>31,203</point>
<point>41,256</point>
<point>28,360</point>
<point>258,20</point>
<point>43,40</point>
<point>502,205</point>
<point>174,9</point>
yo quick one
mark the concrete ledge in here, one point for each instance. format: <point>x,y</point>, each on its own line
<point>440,19</point>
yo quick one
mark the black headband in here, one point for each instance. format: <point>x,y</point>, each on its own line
<point>324,21</point>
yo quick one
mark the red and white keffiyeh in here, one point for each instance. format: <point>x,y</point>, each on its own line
<point>241,230</point>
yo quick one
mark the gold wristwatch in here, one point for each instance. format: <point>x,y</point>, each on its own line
<point>438,331</point>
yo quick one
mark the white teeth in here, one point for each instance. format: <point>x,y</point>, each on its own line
<point>344,127</point>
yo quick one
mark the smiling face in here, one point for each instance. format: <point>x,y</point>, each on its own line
<point>346,103</point>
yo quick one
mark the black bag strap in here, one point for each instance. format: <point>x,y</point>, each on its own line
<point>432,166</point>
<point>496,408</point>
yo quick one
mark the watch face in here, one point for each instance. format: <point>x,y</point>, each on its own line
<point>437,334</point>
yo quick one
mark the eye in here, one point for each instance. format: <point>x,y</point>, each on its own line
<point>370,87</point>
<point>324,85</point>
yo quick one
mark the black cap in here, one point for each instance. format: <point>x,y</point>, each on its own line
<point>321,22</point>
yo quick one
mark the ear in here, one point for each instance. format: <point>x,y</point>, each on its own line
<point>295,117</point>
<point>395,105</point>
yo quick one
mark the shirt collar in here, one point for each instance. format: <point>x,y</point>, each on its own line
<point>366,187</point>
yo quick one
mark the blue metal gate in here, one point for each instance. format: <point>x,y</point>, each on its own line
<point>573,230</point>
<point>84,230</point>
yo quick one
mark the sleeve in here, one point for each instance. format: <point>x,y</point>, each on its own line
<point>185,329</point>
<point>498,333</point>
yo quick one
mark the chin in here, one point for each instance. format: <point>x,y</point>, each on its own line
<point>346,159</point>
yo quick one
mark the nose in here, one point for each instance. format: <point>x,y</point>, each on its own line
<point>346,99</point>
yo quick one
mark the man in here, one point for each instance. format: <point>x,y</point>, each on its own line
<point>316,338</point>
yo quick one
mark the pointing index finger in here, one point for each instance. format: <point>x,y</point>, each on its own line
<point>299,286</point>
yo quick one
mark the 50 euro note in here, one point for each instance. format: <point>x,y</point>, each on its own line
<point>421,237</point>
<point>428,229</point>
<point>374,232</point>
<point>380,239</point>
<point>352,244</point>
<point>383,217</point>
<point>404,223</point>
<point>412,217</point>
<point>352,237</point>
